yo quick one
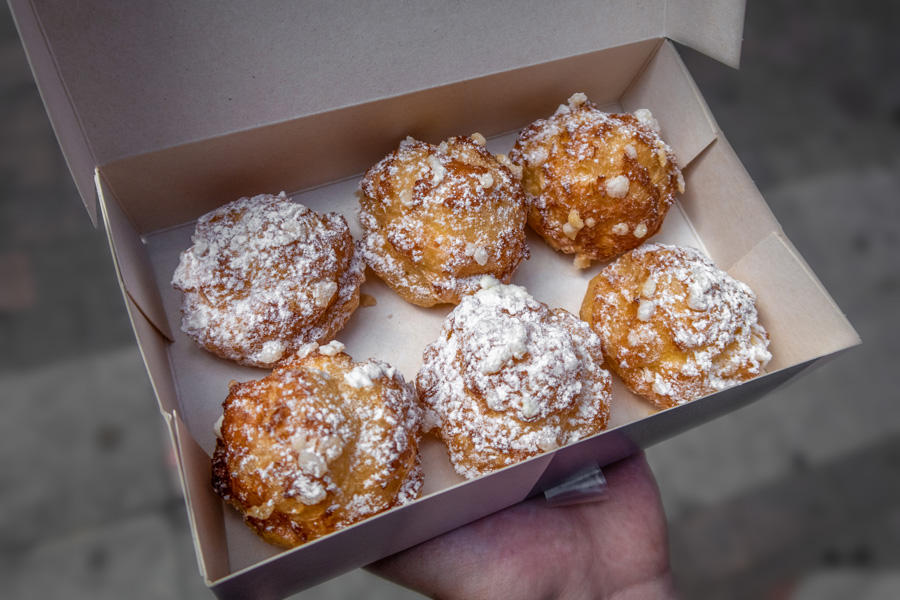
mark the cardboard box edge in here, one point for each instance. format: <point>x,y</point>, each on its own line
<point>64,120</point>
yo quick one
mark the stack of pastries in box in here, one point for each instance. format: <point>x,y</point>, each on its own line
<point>323,442</point>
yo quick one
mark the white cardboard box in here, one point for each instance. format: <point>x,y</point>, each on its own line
<point>166,112</point>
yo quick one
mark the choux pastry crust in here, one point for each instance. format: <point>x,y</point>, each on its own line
<point>319,444</point>
<point>438,218</point>
<point>674,327</point>
<point>597,184</point>
<point>509,378</point>
<point>265,276</point>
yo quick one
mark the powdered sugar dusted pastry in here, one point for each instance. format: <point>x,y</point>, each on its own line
<point>437,218</point>
<point>266,275</point>
<point>674,327</point>
<point>509,378</point>
<point>319,444</point>
<point>597,184</point>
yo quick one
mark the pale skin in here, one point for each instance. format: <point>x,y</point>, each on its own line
<point>615,548</point>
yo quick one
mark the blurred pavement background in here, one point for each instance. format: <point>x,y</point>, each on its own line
<point>795,497</point>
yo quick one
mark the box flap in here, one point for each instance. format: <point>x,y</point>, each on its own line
<point>63,118</point>
<point>154,351</point>
<point>131,260</point>
<point>713,28</point>
<point>123,79</point>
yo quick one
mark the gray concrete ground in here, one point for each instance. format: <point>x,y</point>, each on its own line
<point>796,496</point>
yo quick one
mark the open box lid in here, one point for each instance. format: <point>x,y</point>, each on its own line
<point>124,79</point>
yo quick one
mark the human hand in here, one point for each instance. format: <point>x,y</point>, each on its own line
<point>614,548</point>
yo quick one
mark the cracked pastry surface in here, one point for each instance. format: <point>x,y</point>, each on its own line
<point>319,444</point>
<point>265,276</point>
<point>675,327</point>
<point>597,184</point>
<point>509,378</point>
<point>438,218</point>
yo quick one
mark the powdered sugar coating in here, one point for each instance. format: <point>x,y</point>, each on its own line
<point>266,275</point>
<point>674,326</point>
<point>437,218</point>
<point>613,170</point>
<point>302,453</point>
<point>509,378</point>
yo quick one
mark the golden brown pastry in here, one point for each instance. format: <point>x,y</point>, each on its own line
<point>265,276</point>
<point>318,445</point>
<point>597,184</point>
<point>509,378</point>
<point>674,327</point>
<point>437,218</point>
